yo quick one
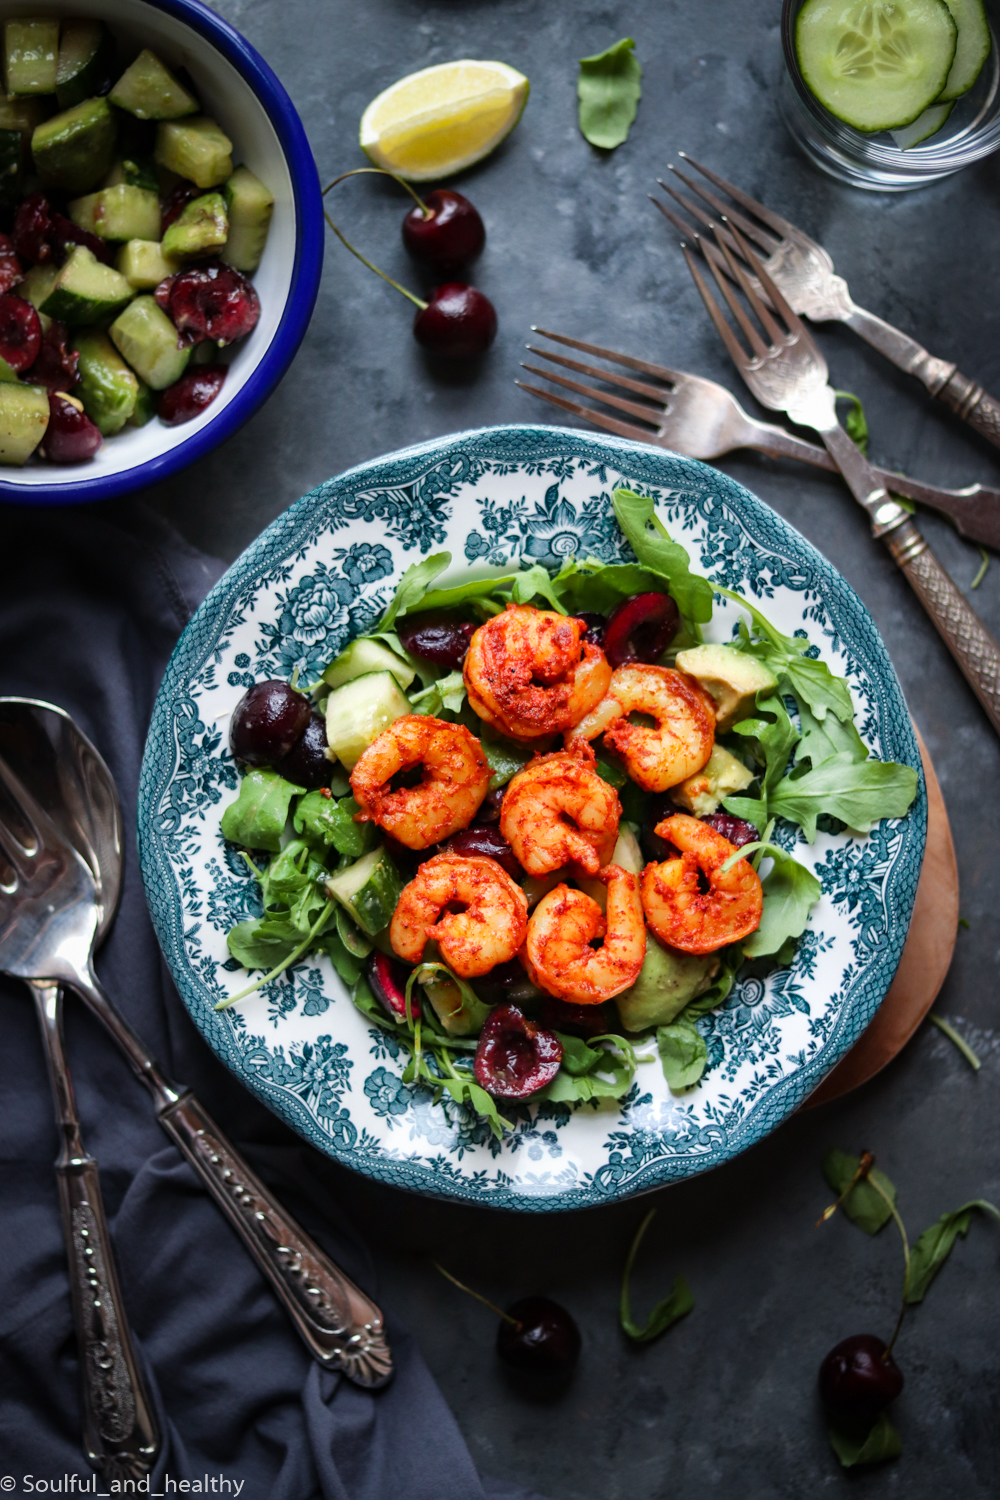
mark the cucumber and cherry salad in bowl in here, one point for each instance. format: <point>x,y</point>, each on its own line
<point>539,827</point>
<point>129,240</point>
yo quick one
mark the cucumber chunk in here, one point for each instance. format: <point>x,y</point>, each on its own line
<point>144,265</point>
<point>24,417</point>
<point>368,890</point>
<point>140,174</point>
<point>925,125</point>
<point>146,337</point>
<point>6,373</point>
<point>31,55</point>
<point>198,149</point>
<point>145,407</point>
<point>974,43</point>
<point>362,657</point>
<point>875,64</point>
<point>35,288</point>
<point>85,291</point>
<point>150,91</point>
<point>358,712</point>
<point>200,229</point>
<point>76,149</point>
<point>250,205</point>
<point>108,388</point>
<point>460,1014</point>
<point>86,66</point>
<point>118,213</point>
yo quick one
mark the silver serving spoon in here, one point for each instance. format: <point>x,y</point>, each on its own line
<point>52,938</point>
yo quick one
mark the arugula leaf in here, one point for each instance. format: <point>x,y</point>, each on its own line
<point>594,585</point>
<point>504,758</point>
<point>790,892</point>
<point>858,793</point>
<point>609,89</point>
<point>673,1307</point>
<point>810,680</point>
<point>862,1205</point>
<point>413,586</point>
<point>683,1053</point>
<point>651,544</point>
<point>579,1078</point>
<point>772,736</point>
<point>935,1245</point>
<point>254,949</point>
<point>534,583</point>
<point>444,693</point>
<point>349,966</point>
<point>823,740</point>
<point>256,820</point>
<point>330,824</point>
<point>463,593</point>
<point>855,423</point>
<point>881,1443</point>
<point>751,809</point>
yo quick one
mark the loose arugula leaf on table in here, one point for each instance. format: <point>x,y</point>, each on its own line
<point>256,820</point>
<point>413,586</point>
<point>683,1053</point>
<point>859,793</point>
<point>862,1205</point>
<point>935,1245</point>
<point>650,541</point>
<point>881,1443</point>
<point>327,823</point>
<point>446,692</point>
<point>609,89</point>
<point>675,1306</point>
<point>790,893</point>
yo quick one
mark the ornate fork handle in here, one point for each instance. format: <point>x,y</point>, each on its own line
<point>975,405</point>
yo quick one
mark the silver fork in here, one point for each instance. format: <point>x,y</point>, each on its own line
<point>788,373</point>
<point>803,271</point>
<point>701,419</point>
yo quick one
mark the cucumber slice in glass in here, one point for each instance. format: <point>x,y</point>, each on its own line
<point>974,43</point>
<point>924,126</point>
<point>875,64</point>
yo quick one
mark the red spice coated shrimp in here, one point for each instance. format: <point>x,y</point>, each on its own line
<point>456,779</point>
<point>485,914</point>
<point>667,752</point>
<point>558,811</point>
<point>679,911</point>
<point>557,949</point>
<point>529,673</point>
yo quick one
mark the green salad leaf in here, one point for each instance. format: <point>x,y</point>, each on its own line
<point>504,757</point>
<point>445,693</point>
<point>590,584</point>
<point>772,737</point>
<point>790,893</point>
<point>651,544</point>
<point>260,944</point>
<point>676,1305</point>
<point>478,591</point>
<point>823,740</point>
<point>609,89</point>
<point>863,1205</point>
<point>855,423</point>
<point>329,823</point>
<point>583,1065</point>
<point>859,793</point>
<point>256,820</point>
<point>935,1245</point>
<point>881,1443</point>
<point>413,586</point>
<point>535,583</point>
<point>683,1053</point>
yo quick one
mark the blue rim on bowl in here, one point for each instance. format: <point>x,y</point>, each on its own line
<point>304,286</point>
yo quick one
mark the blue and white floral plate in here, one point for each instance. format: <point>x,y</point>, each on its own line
<point>322,573</point>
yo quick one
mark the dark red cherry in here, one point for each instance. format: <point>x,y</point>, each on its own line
<point>457,323</point>
<point>596,626</point>
<point>267,722</point>
<point>436,638</point>
<point>653,846</point>
<point>307,763</point>
<point>174,204</point>
<point>485,839</point>
<point>388,984</point>
<point>56,364</point>
<point>576,1020</point>
<point>448,236</point>
<point>32,227</point>
<point>543,1339</point>
<point>515,1058</point>
<point>213,302</point>
<point>737,830</point>
<point>494,988</point>
<point>187,397</point>
<point>71,437</point>
<point>64,235</point>
<point>491,806</point>
<point>20,331</point>
<point>856,1382</point>
<point>641,629</point>
<point>10,267</point>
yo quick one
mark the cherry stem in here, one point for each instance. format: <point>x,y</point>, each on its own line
<point>360,171</point>
<point>906,1256</point>
<point>478,1295</point>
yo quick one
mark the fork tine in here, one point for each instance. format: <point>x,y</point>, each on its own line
<point>728,337</point>
<point>644,413</point>
<point>703,218</point>
<point>793,322</point>
<point>651,392</point>
<point>776,335</point>
<point>766,241</point>
<point>599,418</point>
<point>757,344</point>
<point>660,372</point>
<point>775,221</point>
<point>706,247</point>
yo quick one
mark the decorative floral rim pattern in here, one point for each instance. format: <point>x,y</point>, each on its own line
<point>322,573</point>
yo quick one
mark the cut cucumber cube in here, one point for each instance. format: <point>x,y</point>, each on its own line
<point>108,388</point>
<point>140,174</point>
<point>145,407</point>
<point>24,114</point>
<point>362,657</point>
<point>197,149</point>
<point>86,67</point>
<point>85,291</point>
<point>924,126</point>
<point>37,284</point>
<point>368,890</point>
<point>118,213</point>
<point>358,712</point>
<point>7,375</point>
<point>201,228</point>
<point>31,55</point>
<point>146,337</point>
<point>250,205</point>
<point>24,417</point>
<point>76,149</point>
<point>144,265</point>
<point>974,43</point>
<point>460,1015</point>
<point>874,65</point>
<point>150,91</point>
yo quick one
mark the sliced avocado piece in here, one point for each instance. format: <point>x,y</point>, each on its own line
<point>76,148</point>
<point>144,265</point>
<point>31,55</point>
<point>146,337</point>
<point>150,91</point>
<point>118,213</point>
<point>87,54</point>
<point>730,677</point>
<point>196,148</point>
<point>721,776</point>
<point>668,980</point>
<point>108,388</point>
<point>201,228</point>
<point>24,417</point>
<point>145,407</point>
<point>85,291</point>
<point>250,206</point>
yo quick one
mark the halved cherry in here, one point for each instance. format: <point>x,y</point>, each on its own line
<point>20,331</point>
<point>10,267</point>
<point>71,437</point>
<point>515,1058</point>
<point>641,629</point>
<point>388,981</point>
<point>189,396</point>
<point>32,227</point>
<point>213,302</point>
<point>64,235</point>
<point>56,365</point>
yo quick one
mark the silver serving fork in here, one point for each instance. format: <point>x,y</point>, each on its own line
<point>786,372</point>
<point>688,414</point>
<point>803,272</point>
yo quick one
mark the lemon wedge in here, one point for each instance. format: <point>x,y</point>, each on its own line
<point>437,121</point>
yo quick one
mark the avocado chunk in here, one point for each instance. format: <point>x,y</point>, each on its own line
<point>730,677</point>
<point>144,265</point>
<point>722,776</point>
<point>668,980</point>
<point>85,291</point>
<point>24,417</point>
<point>31,55</point>
<point>75,149</point>
<point>196,148</point>
<point>250,206</point>
<point>201,228</point>
<point>118,213</point>
<point>145,336</point>
<point>87,54</point>
<point>108,388</point>
<point>150,91</point>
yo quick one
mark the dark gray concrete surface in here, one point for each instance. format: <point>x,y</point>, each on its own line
<point>725,1404</point>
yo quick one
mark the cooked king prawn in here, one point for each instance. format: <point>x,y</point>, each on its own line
<point>529,673</point>
<point>456,778</point>
<point>683,914</point>
<point>675,746</point>
<point>469,906</point>
<point>557,949</point>
<point>558,811</point>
